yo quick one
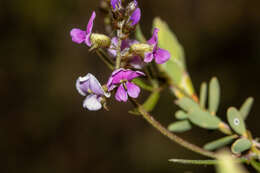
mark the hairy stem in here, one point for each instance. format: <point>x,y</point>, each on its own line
<point>104,59</point>
<point>120,35</point>
<point>169,134</point>
<point>118,57</point>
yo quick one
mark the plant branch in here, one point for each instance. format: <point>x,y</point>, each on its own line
<point>201,162</point>
<point>169,134</point>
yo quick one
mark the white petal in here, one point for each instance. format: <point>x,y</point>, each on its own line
<point>92,103</point>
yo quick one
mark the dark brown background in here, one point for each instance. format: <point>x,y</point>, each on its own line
<point>43,127</point>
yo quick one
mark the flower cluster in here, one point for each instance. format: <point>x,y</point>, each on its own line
<point>127,55</point>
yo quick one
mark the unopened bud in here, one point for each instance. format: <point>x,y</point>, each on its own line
<point>100,40</point>
<point>131,7</point>
<point>140,48</point>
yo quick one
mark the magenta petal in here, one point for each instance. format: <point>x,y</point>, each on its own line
<point>161,56</point>
<point>90,22</point>
<point>135,17</point>
<point>120,74</point>
<point>89,29</point>
<point>110,86</point>
<point>148,57</point>
<point>77,35</point>
<point>134,74</point>
<point>87,40</point>
<point>121,94</point>
<point>132,90</point>
<point>154,39</point>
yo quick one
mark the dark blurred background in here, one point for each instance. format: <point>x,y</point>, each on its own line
<point>43,125</point>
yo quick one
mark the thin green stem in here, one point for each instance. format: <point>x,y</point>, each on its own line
<point>150,119</point>
<point>109,65</point>
<point>120,35</point>
<point>105,54</point>
<point>118,50</point>
<point>194,162</point>
<point>202,162</point>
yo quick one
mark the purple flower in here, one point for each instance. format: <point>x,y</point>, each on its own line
<point>125,44</point>
<point>135,61</point>
<point>115,3</point>
<point>160,55</point>
<point>79,36</point>
<point>89,85</point>
<point>122,78</point>
<point>136,16</point>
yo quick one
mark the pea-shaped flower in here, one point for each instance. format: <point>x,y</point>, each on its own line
<point>89,86</point>
<point>160,55</point>
<point>91,39</point>
<point>121,79</point>
<point>79,36</point>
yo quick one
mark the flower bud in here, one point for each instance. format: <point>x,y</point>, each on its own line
<point>131,7</point>
<point>140,48</point>
<point>100,40</point>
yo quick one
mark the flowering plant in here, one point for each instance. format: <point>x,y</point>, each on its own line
<point>131,60</point>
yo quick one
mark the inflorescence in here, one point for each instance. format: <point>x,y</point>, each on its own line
<point>129,56</point>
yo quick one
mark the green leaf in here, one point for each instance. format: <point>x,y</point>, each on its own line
<point>246,107</point>
<point>255,165</point>
<point>142,84</point>
<point>149,104</point>
<point>187,104</point>
<point>220,142</point>
<point>204,119</point>
<point>139,34</point>
<point>175,66</point>
<point>241,145</point>
<point>236,121</point>
<point>227,164</point>
<point>214,95</point>
<point>174,71</point>
<point>180,126</point>
<point>180,115</point>
<point>194,162</point>
<point>167,40</point>
<point>203,94</point>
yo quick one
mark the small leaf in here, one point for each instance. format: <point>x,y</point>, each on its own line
<point>149,104</point>
<point>142,84</point>
<point>204,119</point>
<point>220,142</point>
<point>139,34</point>
<point>180,126</point>
<point>236,121</point>
<point>255,165</point>
<point>246,107</point>
<point>214,95</point>
<point>241,145</point>
<point>203,95</point>
<point>194,162</point>
<point>187,104</point>
<point>180,115</point>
